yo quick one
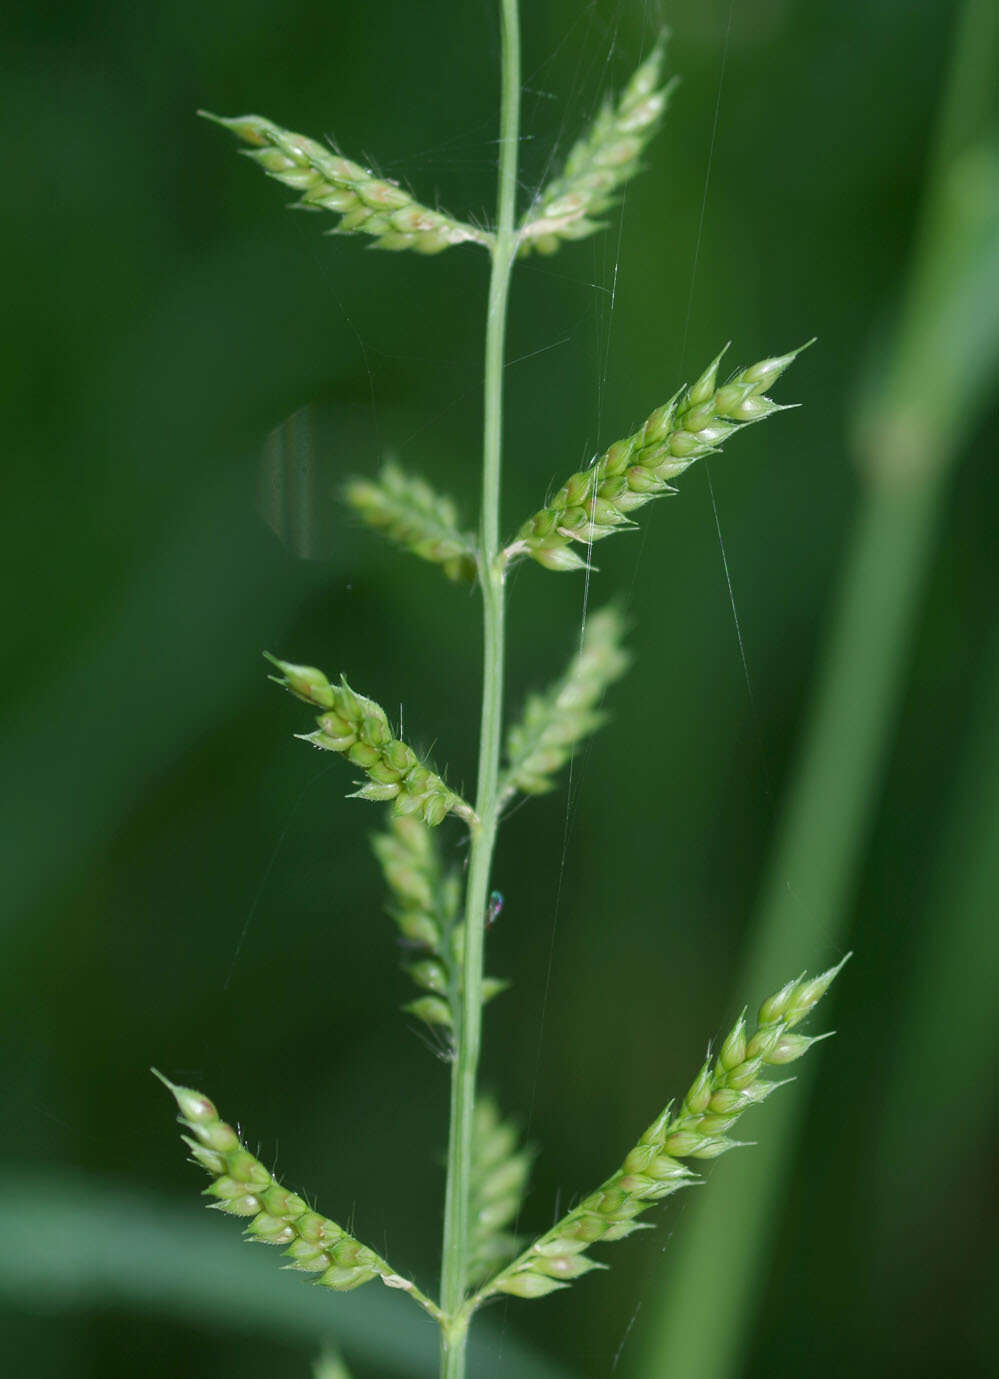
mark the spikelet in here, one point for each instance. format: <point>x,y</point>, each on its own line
<point>367,204</point>
<point>359,729</point>
<point>500,1170</point>
<point>608,155</point>
<point>410,513</point>
<point>722,1090</point>
<point>426,907</point>
<point>596,502</point>
<point>243,1187</point>
<point>555,722</point>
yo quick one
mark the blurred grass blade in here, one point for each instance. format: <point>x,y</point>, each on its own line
<point>915,415</point>
<point>946,1036</point>
<point>73,1243</point>
<point>330,1365</point>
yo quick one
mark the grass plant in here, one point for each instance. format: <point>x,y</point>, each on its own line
<point>443,919</point>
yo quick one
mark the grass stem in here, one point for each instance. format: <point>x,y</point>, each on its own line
<point>469,1024</point>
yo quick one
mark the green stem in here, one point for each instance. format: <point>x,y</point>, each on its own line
<point>468,1032</point>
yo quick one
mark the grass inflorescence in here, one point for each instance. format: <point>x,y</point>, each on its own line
<point>441,910</point>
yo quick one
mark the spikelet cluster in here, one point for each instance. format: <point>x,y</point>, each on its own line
<point>555,722</point>
<point>367,204</point>
<point>725,1087</point>
<point>426,907</point>
<point>359,729</point>
<point>500,1170</point>
<point>596,502</point>
<point>243,1187</point>
<point>608,155</point>
<point>410,513</point>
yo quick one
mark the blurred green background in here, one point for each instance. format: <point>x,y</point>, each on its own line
<point>190,374</point>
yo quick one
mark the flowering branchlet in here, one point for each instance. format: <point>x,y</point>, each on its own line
<point>410,513</point>
<point>359,729</point>
<point>426,907</point>
<point>607,156</point>
<point>555,722</point>
<point>596,502</point>
<point>725,1087</point>
<point>367,204</point>
<point>242,1186</point>
<point>500,1170</point>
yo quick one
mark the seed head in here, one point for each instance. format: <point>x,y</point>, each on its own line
<point>358,728</point>
<point>407,511</point>
<point>607,156</point>
<point>723,1088</point>
<point>426,905</point>
<point>596,502</point>
<point>242,1186</point>
<point>554,723</point>
<point>327,182</point>
<point>500,1170</point>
